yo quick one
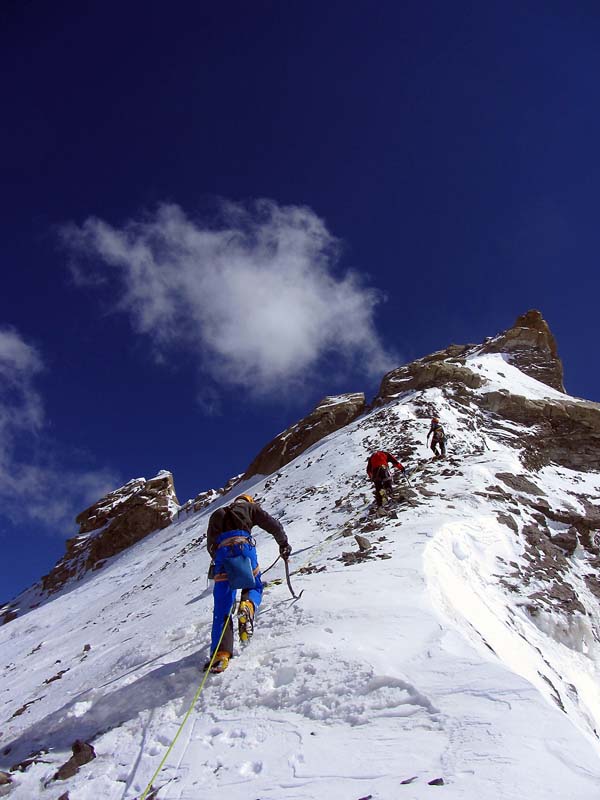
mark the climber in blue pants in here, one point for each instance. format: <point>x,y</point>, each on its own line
<point>233,551</point>
<point>223,594</point>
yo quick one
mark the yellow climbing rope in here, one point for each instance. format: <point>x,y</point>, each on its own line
<point>189,711</point>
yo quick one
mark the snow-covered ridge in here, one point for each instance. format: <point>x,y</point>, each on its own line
<point>463,645</point>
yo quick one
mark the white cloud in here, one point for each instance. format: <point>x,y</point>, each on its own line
<point>255,296</point>
<point>36,489</point>
<point>20,406</point>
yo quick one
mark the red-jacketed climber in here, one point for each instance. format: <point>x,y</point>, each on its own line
<point>378,471</point>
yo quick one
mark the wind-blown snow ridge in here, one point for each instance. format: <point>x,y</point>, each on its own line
<point>445,651</point>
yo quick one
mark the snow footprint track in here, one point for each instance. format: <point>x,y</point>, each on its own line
<point>312,683</point>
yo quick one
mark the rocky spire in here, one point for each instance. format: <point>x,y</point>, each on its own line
<point>528,344</point>
<point>531,347</point>
<point>113,524</point>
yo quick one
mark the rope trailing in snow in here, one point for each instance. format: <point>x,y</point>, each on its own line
<point>149,787</point>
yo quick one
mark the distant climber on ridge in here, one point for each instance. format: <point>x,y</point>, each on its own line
<point>233,551</point>
<point>378,471</point>
<point>438,438</point>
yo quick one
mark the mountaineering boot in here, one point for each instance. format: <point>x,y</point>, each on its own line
<point>382,497</point>
<point>220,663</point>
<point>246,620</point>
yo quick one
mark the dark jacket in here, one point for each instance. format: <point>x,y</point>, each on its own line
<point>381,459</point>
<point>242,516</point>
<point>437,431</point>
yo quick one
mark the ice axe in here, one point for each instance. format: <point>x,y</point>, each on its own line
<point>289,583</point>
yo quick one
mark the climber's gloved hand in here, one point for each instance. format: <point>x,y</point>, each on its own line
<point>285,551</point>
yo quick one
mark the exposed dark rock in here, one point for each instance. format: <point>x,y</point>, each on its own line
<point>24,707</point>
<point>82,754</point>
<point>309,569</point>
<point>593,584</point>
<point>506,519</point>
<point>436,782</point>
<point>564,432</point>
<point>356,557</point>
<point>583,524</point>
<point>540,518</point>
<point>5,778</point>
<point>368,527</point>
<point>529,345</point>
<point>406,495</point>
<point>110,526</point>
<point>118,520</point>
<point>519,483</point>
<point>33,758</point>
<point>492,496</point>
<point>363,543</point>
<point>548,564</point>
<point>204,499</point>
<point>331,414</point>
<point>56,677</point>
<point>426,373</point>
<point>531,348</point>
<point>499,490</point>
<point>567,541</point>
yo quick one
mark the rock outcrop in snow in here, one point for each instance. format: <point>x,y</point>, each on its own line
<point>204,499</point>
<point>559,430</point>
<point>531,347</point>
<point>114,523</point>
<point>111,525</point>
<point>439,369</point>
<point>331,414</point>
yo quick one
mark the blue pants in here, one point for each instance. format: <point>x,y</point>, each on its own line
<point>224,595</point>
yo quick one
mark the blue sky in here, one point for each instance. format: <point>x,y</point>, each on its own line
<point>215,214</point>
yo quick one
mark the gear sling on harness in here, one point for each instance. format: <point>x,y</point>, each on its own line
<point>236,567</point>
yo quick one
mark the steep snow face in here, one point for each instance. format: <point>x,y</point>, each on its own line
<point>463,645</point>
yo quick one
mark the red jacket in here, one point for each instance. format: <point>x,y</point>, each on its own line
<point>381,459</point>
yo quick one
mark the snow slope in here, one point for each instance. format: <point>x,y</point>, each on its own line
<point>414,663</point>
